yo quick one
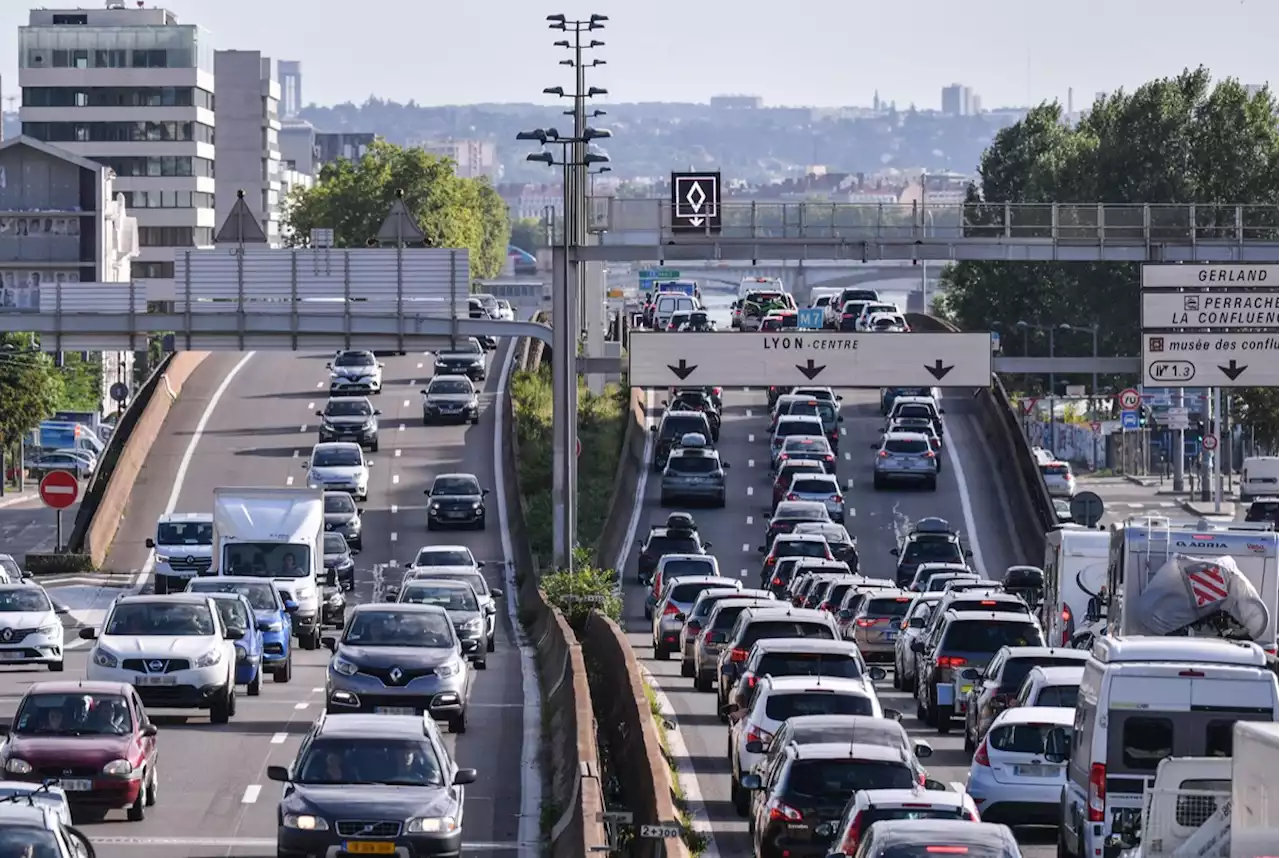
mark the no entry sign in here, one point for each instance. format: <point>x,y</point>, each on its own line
<point>59,489</point>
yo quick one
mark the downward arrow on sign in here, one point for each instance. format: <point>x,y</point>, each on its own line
<point>938,371</point>
<point>1232,370</point>
<point>695,221</point>
<point>682,370</point>
<point>809,370</point>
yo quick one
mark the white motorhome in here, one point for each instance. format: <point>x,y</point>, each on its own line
<point>1075,573</point>
<point>1200,578</point>
<point>1255,796</point>
<point>184,549</point>
<point>276,534</point>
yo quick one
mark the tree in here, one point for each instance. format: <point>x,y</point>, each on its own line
<point>528,234</point>
<point>1256,409</point>
<point>353,197</point>
<point>1174,140</point>
<point>30,388</point>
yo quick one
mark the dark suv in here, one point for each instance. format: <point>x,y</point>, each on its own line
<point>674,426</point>
<point>963,639</point>
<point>807,786</point>
<point>663,540</point>
<point>754,624</point>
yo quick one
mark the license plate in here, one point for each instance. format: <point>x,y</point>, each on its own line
<point>142,679</point>
<point>965,689</point>
<point>369,847</point>
<point>11,655</point>
<point>1034,771</point>
<point>76,785</point>
<point>394,710</point>
<point>455,515</point>
<point>889,635</point>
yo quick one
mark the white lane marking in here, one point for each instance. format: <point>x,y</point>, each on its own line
<point>967,508</point>
<point>406,403</point>
<point>395,479</point>
<point>394,509</point>
<point>319,384</point>
<point>288,481</point>
<point>419,366</point>
<point>279,738</point>
<point>295,454</point>
<point>317,690</point>
<point>746,547</point>
<point>400,428</point>
<point>183,466</point>
<point>848,457</point>
<point>844,431</point>
<point>529,830</point>
<point>301,706</point>
<point>848,484</point>
<point>397,454</point>
<point>394,536</point>
<point>751,463</point>
<point>750,491</point>
<point>412,382</point>
<point>251,793</point>
<point>748,412</point>
<point>311,406</point>
<point>744,573</point>
<point>748,519</point>
<point>302,428</point>
<point>751,438</point>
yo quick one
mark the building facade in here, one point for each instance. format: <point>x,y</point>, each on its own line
<point>471,158</point>
<point>248,122</point>
<point>349,145</point>
<point>290,76</point>
<point>133,90</point>
<point>298,149</point>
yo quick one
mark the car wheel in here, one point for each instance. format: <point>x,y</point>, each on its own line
<point>425,420</point>
<point>660,652</point>
<point>482,664</point>
<point>458,723</point>
<point>475,421</point>
<point>254,688</point>
<point>969,746</point>
<point>431,525</point>
<point>932,485</point>
<point>686,668</point>
<point>876,483</point>
<point>897,678</point>
<point>357,543</point>
<point>720,500</point>
<point>55,667</point>
<point>285,671</point>
<point>739,797</point>
<point>491,645</point>
<point>480,523</point>
<point>153,792</point>
<point>374,448</point>
<point>138,810</point>
<point>220,711</point>
<point>701,682</point>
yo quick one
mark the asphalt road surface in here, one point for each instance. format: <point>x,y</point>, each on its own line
<point>971,495</point>
<point>250,420</point>
<point>31,526</point>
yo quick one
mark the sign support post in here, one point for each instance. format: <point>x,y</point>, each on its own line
<point>57,531</point>
<point>1179,451</point>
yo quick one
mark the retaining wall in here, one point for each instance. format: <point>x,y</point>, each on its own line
<point>630,465</point>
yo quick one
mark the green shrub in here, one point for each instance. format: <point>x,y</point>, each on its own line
<point>576,593</point>
<point>57,564</point>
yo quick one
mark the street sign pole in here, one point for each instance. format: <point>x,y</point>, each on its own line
<point>1220,432</point>
<point>57,532</point>
<point>1179,451</point>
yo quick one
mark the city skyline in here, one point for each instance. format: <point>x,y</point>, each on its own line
<point>907,53</point>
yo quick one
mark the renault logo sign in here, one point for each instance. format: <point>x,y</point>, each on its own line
<point>7,634</point>
<point>396,675</point>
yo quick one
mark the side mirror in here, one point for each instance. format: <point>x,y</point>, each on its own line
<point>306,465</point>
<point>846,614</point>
<point>917,647</point>
<point>751,782</point>
<point>728,708</point>
<point>328,366</point>
<point>968,553</point>
<point>496,592</point>
<point>755,746</point>
<point>464,776</point>
<point>490,608</point>
<point>894,551</point>
<point>234,633</point>
<point>264,625</point>
<point>88,634</point>
<point>148,731</point>
<point>484,492</point>
<point>681,617</point>
<point>653,429</point>
<point>290,606</point>
<point>840,419</point>
<point>922,749</point>
<point>330,643</point>
<point>278,773</point>
<point>891,714</point>
<point>663,403</point>
<point>706,545</point>
<point>942,411</point>
<point>480,564</point>
<point>763,549</point>
<point>59,609</point>
<point>319,413</point>
<point>150,543</point>
<point>877,674</point>
<point>391,597</point>
<point>767,516</point>
<point>873,446</point>
<point>933,785</point>
<point>423,391</point>
<point>915,623</point>
<point>724,465</point>
<point>969,673</point>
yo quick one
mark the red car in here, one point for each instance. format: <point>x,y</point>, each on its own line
<point>93,738</point>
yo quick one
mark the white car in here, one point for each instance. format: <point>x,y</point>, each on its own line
<point>30,630</point>
<point>339,466</point>
<point>506,312</point>
<point>456,562</point>
<point>1059,480</point>
<point>52,797</point>
<point>173,649</point>
<point>1010,779</point>
<point>888,323</point>
<point>355,373</point>
<point>90,460</point>
<point>870,309</point>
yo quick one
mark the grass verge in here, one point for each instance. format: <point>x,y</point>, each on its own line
<point>696,841</point>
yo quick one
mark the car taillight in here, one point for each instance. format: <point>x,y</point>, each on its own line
<point>865,622</point>
<point>670,610</point>
<point>779,812</point>
<point>738,655</point>
<point>884,454</point>
<point>838,498</point>
<point>906,329</point>
<point>829,458</point>
<point>777,582</point>
<point>854,834</point>
<point>929,454</point>
<point>716,391</point>
<point>793,496</point>
<point>950,661</point>
<point>847,316</point>
<point>769,561</point>
<point>1097,791</point>
<point>751,681</point>
<point>783,457</point>
<point>1067,618</point>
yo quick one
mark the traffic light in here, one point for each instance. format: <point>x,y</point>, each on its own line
<point>1144,415</point>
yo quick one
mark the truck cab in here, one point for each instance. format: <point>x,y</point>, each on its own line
<point>276,534</point>
<point>183,547</point>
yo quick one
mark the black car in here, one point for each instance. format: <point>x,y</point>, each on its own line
<point>716,394</point>
<point>456,500</point>
<point>696,400</point>
<point>460,601</point>
<point>339,560</point>
<point>371,784</point>
<point>674,426</point>
<point>341,515</point>
<point>930,540</point>
<point>678,536</point>
<point>467,359</point>
<point>350,419</point>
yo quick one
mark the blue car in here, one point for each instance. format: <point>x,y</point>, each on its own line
<point>272,612</point>
<point>237,614</point>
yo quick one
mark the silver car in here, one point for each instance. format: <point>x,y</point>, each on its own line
<point>819,488</point>
<point>905,457</point>
<point>450,398</point>
<point>813,448</point>
<point>354,373</point>
<point>788,426</point>
<point>911,628</point>
<point>678,596</point>
<point>1059,480</point>
<point>694,474</point>
<point>697,616</point>
<point>339,466</point>
<point>715,632</point>
<point>350,419</point>
<point>341,515</point>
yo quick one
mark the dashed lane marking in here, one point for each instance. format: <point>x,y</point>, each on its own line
<point>750,491</point>
<point>412,382</point>
<point>311,406</point>
<point>397,454</point>
<point>419,366</point>
<point>319,384</point>
<point>745,547</point>
<point>749,519</point>
<point>302,428</point>
<point>317,691</point>
<point>394,509</point>
<point>295,454</point>
<point>394,536</point>
<point>395,479</point>
<point>300,706</point>
<point>406,403</point>
<point>279,738</point>
<point>751,463</point>
<point>751,438</point>
<point>744,573</point>
<point>748,412</point>
<point>848,457</point>
<point>288,481</point>
<point>251,793</point>
<point>400,428</point>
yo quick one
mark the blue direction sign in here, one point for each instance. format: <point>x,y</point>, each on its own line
<point>995,341</point>
<point>810,319</point>
<point>649,276</point>
<point>1129,420</point>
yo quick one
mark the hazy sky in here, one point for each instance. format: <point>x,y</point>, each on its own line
<point>817,52</point>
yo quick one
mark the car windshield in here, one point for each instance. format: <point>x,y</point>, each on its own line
<point>268,559</point>
<point>335,543</point>
<point>28,841</point>
<point>688,593</point>
<point>185,533</point>
<point>1055,470</point>
<point>336,457</point>
<point>794,426</point>
<point>455,486</point>
<point>726,615</point>
<point>233,613</point>
<point>990,635</point>
<point>399,628</point>
<point>1021,738</point>
<point>449,598</point>
<point>262,597</point>
<point>815,486</point>
<point>893,606</point>
<point>1004,606</point>
<point>450,386</point>
<point>675,425</point>
<point>906,446</point>
<point>834,534</point>
<point>942,844</point>
<point>823,778</point>
<point>802,466</point>
<point>878,814</point>
<point>800,548</point>
<point>929,549</point>
<point>160,619</point>
<point>444,557</point>
<point>780,707</point>
<point>80,713</point>
<point>354,359</point>
<point>784,629</point>
<point>369,761</point>
<point>678,568</point>
<point>347,408</point>
<point>810,664</point>
<point>808,511</point>
<point>475,579</point>
<point>912,409</point>
<point>335,502</point>
<point>659,545</point>
<point>806,442</point>
<point>694,464</point>
<point>19,600</point>
<point>1016,669</point>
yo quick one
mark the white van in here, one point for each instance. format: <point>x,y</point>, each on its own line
<point>670,304</point>
<point>1075,573</point>
<point>1143,699</point>
<point>1259,477</point>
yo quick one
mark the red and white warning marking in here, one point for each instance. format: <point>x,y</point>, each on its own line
<point>1208,584</point>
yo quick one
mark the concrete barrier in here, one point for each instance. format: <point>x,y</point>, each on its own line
<point>572,796</point>
<point>1032,508</point>
<point>630,465</point>
<point>100,531</point>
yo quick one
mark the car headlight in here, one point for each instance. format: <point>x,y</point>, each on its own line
<point>477,506</point>
<point>448,669</point>
<point>336,600</point>
<point>162,558</point>
<point>50,630</point>
<point>431,825</point>
<point>472,625</point>
<point>305,593</point>
<point>209,659</point>
<point>435,507</point>
<point>368,426</point>
<point>344,667</point>
<point>15,766</point>
<point>242,654</point>
<point>274,626</point>
<point>118,768</point>
<point>105,658</point>
<point>305,822</point>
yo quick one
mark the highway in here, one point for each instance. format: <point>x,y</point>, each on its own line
<point>249,419</point>
<point>970,495</point>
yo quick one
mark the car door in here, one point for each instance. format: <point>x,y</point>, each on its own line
<point>150,750</point>
<point>988,684</point>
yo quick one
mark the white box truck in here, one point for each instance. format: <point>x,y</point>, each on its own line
<point>1075,575</point>
<point>1255,796</point>
<point>276,534</point>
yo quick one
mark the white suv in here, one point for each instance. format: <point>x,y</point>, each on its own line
<point>339,466</point>
<point>173,649</point>
<point>30,630</point>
